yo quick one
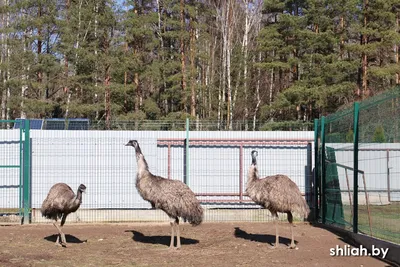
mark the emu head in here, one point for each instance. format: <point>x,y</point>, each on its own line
<point>82,188</point>
<point>254,155</point>
<point>135,144</point>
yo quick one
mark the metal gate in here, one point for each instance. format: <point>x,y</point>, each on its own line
<point>15,171</point>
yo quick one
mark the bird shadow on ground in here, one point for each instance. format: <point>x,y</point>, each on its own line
<point>270,239</point>
<point>159,239</point>
<point>68,238</point>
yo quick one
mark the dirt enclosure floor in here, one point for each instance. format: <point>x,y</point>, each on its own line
<point>141,244</point>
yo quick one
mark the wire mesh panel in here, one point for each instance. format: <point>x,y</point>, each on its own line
<point>379,176</point>
<point>215,168</point>
<point>360,175</point>
<point>337,183</point>
<point>10,179</point>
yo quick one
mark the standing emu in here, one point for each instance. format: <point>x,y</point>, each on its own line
<point>172,196</point>
<point>60,202</point>
<point>276,193</point>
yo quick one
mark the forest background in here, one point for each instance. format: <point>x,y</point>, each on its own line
<point>228,61</point>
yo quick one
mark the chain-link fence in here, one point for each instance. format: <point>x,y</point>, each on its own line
<point>14,173</point>
<point>359,176</point>
<point>213,163</point>
<point>158,125</point>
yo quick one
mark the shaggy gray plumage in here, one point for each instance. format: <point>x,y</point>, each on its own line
<point>276,193</point>
<point>172,196</point>
<point>60,202</point>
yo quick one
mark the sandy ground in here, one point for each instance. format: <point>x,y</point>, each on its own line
<point>141,244</point>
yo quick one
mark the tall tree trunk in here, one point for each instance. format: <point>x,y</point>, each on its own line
<point>221,91</point>
<point>25,77</point>
<point>76,56</point>
<point>271,90</point>
<point>228,64</point>
<point>161,58</point>
<point>96,85</point>
<point>205,68</point>
<point>39,51</point>
<point>210,69</point>
<point>108,98</point>
<point>397,47</point>
<point>258,99</point>
<point>66,71</point>
<point>364,56</point>
<point>192,69</point>
<point>182,49</point>
<point>341,37</point>
<point>3,58</point>
<point>138,98</point>
<point>126,81</point>
<point>245,58</point>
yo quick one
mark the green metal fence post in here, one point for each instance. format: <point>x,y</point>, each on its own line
<point>187,152</point>
<point>316,166</point>
<point>21,169</point>
<point>323,171</point>
<point>355,158</point>
<point>26,173</point>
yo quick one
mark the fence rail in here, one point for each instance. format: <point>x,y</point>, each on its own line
<point>155,125</point>
<point>240,144</point>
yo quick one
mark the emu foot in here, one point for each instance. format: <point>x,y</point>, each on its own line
<point>61,244</point>
<point>293,246</point>
<point>275,245</point>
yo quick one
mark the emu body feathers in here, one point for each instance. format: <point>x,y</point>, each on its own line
<point>276,193</point>
<point>172,196</point>
<point>60,202</point>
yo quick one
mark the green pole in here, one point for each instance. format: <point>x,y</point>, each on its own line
<point>323,174</point>
<point>187,152</point>
<point>355,182</point>
<point>316,167</point>
<point>26,173</point>
<point>21,169</point>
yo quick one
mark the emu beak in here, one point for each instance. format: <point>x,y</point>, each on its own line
<point>127,144</point>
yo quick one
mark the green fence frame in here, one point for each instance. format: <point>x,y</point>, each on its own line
<point>320,159</point>
<point>316,170</point>
<point>320,132</point>
<point>356,110</point>
<point>24,167</point>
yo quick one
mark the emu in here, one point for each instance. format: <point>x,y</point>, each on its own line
<point>276,193</point>
<point>172,196</point>
<point>60,202</point>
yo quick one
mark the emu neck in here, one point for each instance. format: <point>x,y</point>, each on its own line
<point>141,164</point>
<point>252,175</point>
<point>79,196</point>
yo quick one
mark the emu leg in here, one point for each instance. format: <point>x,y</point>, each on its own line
<point>172,223</point>
<point>178,234</point>
<point>59,232</point>
<point>290,219</point>
<point>63,240</point>
<point>276,230</point>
